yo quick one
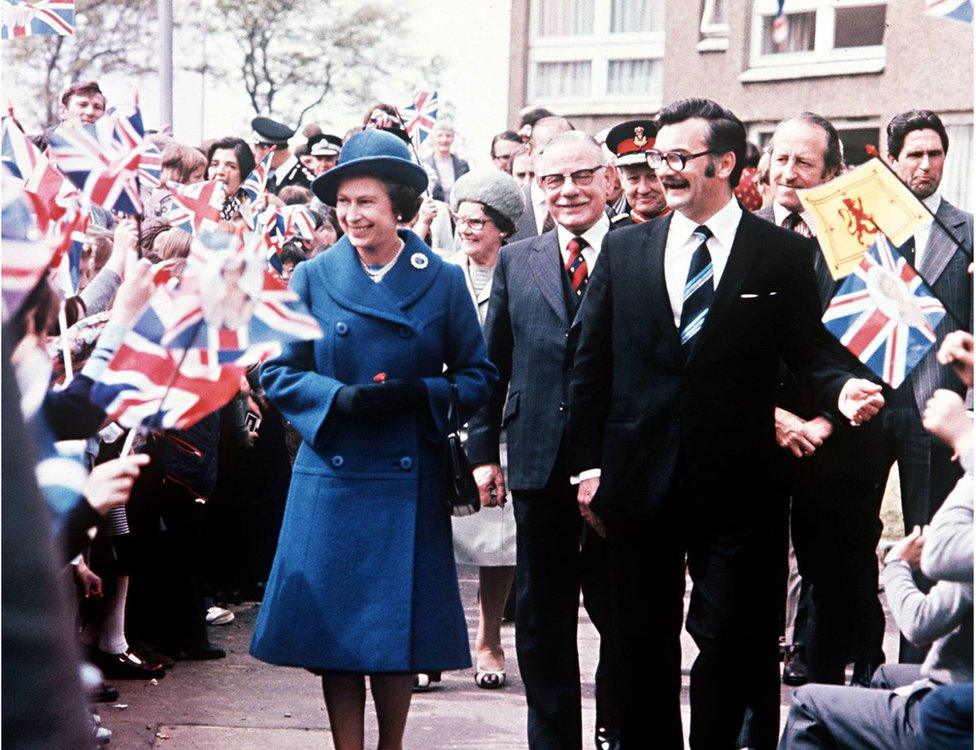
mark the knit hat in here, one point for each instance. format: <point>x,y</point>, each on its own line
<point>493,188</point>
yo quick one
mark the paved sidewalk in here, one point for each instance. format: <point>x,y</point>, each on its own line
<point>240,703</point>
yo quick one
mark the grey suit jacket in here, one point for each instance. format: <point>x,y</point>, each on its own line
<point>525,227</point>
<point>944,269</point>
<point>531,340</point>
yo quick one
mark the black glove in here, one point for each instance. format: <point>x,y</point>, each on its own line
<point>381,400</point>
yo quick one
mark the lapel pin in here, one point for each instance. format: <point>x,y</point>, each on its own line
<point>419,261</point>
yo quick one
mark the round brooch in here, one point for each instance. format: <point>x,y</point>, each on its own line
<point>419,261</point>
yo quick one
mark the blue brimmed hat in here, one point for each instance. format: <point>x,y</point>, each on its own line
<point>374,153</point>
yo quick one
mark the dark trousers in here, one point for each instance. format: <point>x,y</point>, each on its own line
<point>836,527</point>
<point>555,558</point>
<point>926,473</point>
<point>733,617</point>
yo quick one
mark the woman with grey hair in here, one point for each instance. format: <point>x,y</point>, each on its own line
<point>486,204</point>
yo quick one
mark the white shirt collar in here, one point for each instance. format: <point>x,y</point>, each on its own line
<point>593,236</point>
<point>537,194</point>
<point>723,223</point>
<point>781,212</point>
<point>933,202</point>
<point>282,171</point>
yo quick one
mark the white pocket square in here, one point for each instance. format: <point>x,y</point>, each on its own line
<point>748,296</point>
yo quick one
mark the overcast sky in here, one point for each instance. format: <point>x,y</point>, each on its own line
<point>471,35</point>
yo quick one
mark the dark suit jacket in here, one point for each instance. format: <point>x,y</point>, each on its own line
<point>850,453</point>
<point>943,267</point>
<point>525,227</point>
<point>637,407</point>
<point>531,340</point>
<point>460,167</point>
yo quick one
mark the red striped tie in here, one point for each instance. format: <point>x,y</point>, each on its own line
<point>576,265</point>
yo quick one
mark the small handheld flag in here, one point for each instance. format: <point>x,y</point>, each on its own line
<point>852,210</point>
<point>37,18</point>
<point>420,116</point>
<point>256,183</point>
<point>885,314</point>
<point>957,10</point>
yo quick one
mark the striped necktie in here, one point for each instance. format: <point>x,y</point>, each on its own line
<point>576,265</point>
<point>699,290</point>
<point>795,222</point>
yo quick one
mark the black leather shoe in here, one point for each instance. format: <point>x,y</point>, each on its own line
<point>794,668</point>
<point>127,666</point>
<point>147,654</point>
<point>862,674</point>
<point>607,739</point>
<point>202,653</point>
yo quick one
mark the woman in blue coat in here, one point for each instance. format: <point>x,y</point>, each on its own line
<point>364,581</point>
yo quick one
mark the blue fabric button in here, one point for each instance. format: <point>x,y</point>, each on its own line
<point>405,463</point>
<point>338,461</point>
<point>341,328</point>
<point>405,332</point>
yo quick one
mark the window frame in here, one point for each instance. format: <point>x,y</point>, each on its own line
<point>599,48</point>
<point>714,37</point>
<point>824,59</point>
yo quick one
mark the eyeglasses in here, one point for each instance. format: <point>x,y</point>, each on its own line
<point>675,160</point>
<point>474,224</point>
<point>580,178</point>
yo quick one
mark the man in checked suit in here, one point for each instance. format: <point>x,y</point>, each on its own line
<point>671,433</point>
<point>536,295</point>
<point>834,472</point>
<point>917,144</point>
<point>535,219</point>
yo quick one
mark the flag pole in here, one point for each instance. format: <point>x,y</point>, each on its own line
<point>69,373</point>
<point>413,147</point>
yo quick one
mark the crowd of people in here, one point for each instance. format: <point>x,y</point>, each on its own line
<point>629,325</point>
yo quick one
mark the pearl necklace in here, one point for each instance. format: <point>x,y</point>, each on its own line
<point>377,274</point>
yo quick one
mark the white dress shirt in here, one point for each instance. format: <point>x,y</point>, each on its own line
<point>594,239</point>
<point>540,209</point>
<point>681,245</point>
<point>923,233</point>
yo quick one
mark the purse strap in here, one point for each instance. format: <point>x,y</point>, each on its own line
<point>453,422</point>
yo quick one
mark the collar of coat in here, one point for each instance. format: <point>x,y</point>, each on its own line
<point>342,276</point>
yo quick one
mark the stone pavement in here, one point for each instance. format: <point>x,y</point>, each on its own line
<point>239,703</point>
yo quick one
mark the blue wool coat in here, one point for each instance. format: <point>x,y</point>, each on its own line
<point>364,577</point>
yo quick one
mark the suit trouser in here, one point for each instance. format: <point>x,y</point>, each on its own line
<point>733,617</point>
<point>946,718</point>
<point>854,718</point>
<point>926,473</point>
<point>835,526</point>
<point>555,557</point>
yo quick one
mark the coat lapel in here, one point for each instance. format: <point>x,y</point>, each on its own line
<point>659,300</point>
<point>347,283</point>
<point>545,262</point>
<point>745,250</point>
<point>940,248</point>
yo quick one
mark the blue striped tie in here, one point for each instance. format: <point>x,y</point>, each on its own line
<point>698,291</point>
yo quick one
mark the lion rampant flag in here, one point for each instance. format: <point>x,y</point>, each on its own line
<point>852,210</point>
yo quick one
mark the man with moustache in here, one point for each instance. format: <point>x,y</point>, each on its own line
<point>537,291</point>
<point>628,142</point>
<point>917,144</point>
<point>835,475</point>
<point>671,432</point>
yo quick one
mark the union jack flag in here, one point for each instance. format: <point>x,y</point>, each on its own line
<point>66,261</point>
<point>199,204</point>
<point>25,258</point>
<point>256,183</point>
<point>37,17</point>
<point>885,314</point>
<point>104,160</point>
<point>35,173</point>
<point>421,114</point>
<point>299,222</point>
<point>185,355</point>
<point>957,10</point>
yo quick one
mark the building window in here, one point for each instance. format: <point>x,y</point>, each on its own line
<point>562,80</point>
<point>714,28</point>
<point>633,77</point>
<point>636,16</point>
<point>564,17</point>
<point>821,38</point>
<point>593,57</point>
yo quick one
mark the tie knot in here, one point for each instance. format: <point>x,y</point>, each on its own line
<point>702,233</point>
<point>575,245</point>
<point>792,220</point>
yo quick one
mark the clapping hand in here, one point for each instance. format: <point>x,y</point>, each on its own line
<point>909,549</point>
<point>957,350</point>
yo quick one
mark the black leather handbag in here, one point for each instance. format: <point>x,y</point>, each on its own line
<point>460,490</point>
